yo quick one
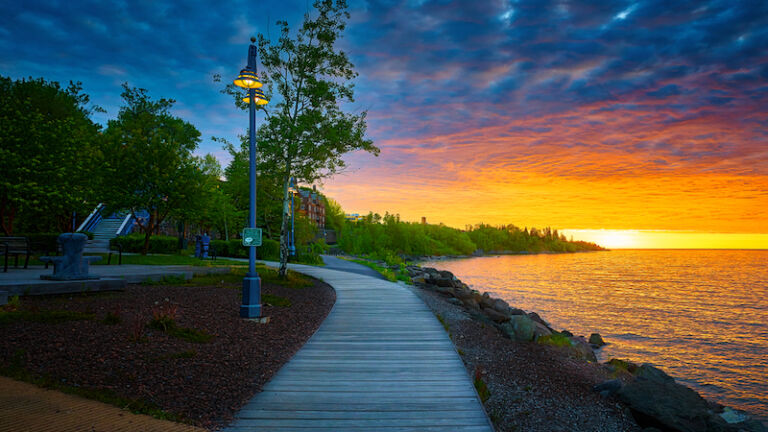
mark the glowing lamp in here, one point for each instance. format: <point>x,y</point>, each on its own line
<point>247,79</point>
<point>260,99</point>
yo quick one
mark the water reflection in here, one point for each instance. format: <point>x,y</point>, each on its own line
<point>699,314</point>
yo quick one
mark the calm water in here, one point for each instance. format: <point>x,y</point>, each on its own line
<point>701,315</point>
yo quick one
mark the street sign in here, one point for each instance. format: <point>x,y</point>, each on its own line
<point>251,236</point>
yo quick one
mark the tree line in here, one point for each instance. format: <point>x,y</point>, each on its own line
<point>56,162</point>
<point>388,238</point>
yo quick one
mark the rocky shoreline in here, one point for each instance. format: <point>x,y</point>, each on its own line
<point>629,396</point>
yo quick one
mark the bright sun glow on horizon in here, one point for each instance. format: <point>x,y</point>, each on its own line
<point>658,239</point>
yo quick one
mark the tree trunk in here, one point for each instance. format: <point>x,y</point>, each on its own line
<point>284,231</point>
<point>148,233</point>
<point>7,214</point>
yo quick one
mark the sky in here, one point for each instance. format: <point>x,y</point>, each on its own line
<point>631,123</point>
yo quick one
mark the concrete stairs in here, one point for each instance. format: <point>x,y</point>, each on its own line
<point>105,231</point>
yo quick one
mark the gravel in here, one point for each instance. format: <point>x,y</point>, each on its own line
<point>533,387</point>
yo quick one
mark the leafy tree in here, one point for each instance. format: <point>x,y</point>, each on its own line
<point>49,149</point>
<point>268,195</point>
<point>334,214</point>
<point>308,77</point>
<point>149,163</point>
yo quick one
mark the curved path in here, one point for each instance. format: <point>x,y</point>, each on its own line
<point>380,361</point>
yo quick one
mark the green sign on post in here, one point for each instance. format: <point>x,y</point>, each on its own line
<point>251,236</point>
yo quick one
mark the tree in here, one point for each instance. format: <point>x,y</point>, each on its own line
<point>48,152</point>
<point>149,163</point>
<point>308,77</point>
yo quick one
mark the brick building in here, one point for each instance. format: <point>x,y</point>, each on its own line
<point>310,204</point>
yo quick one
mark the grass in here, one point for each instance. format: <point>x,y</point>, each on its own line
<point>235,277</point>
<point>44,316</point>
<point>16,369</point>
<point>555,339</point>
<point>274,300</point>
<point>442,321</point>
<point>400,275</point>
<point>170,327</point>
<point>481,386</point>
<point>163,259</point>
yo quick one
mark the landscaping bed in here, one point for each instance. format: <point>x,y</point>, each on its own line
<point>175,349</point>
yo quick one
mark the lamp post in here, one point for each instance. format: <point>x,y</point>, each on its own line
<point>247,79</point>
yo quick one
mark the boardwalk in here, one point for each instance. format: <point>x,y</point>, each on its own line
<point>380,361</point>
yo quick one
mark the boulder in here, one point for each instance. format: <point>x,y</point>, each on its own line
<point>501,306</point>
<point>540,330</point>
<point>519,328</point>
<point>582,349</point>
<point>444,282</point>
<point>596,340</point>
<point>462,293</point>
<point>516,311</point>
<point>418,280</point>
<point>495,315</point>
<point>608,388</point>
<point>566,333</point>
<point>534,316</point>
<point>486,301</point>
<point>656,400</point>
<point>471,304</point>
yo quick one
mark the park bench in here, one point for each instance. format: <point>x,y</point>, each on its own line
<point>14,246</point>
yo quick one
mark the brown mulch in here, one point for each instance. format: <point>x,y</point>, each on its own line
<point>532,387</point>
<point>204,383</point>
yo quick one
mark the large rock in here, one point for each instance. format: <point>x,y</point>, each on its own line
<point>540,330</point>
<point>486,301</point>
<point>582,349</point>
<point>501,306</point>
<point>495,315</point>
<point>656,400</point>
<point>519,328</point>
<point>471,304</point>
<point>596,340</point>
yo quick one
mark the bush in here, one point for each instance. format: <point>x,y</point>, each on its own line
<point>157,243</point>
<point>269,250</point>
<point>44,243</point>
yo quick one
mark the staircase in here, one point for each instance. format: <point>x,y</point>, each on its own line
<point>105,231</point>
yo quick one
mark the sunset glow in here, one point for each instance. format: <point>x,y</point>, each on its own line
<point>647,120</point>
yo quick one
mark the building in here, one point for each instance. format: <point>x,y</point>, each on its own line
<point>311,205</point>
<point>353,217</point>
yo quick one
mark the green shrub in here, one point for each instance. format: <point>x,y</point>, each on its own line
<point>157,243</point>
<point>555,339</point>
<point>269,250</point>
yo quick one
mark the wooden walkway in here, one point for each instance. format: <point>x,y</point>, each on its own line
<point>380,361</point>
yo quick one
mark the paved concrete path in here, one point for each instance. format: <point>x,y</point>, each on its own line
<point>333,263</point>
<point>380,361</point>
<point>25,407</point>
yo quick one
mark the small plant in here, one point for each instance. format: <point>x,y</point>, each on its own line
<point>138,326</point>
<point>442,321</point>
<point>164,315</point>
<point>14,303</point>
<point>555,339</point>
<point>112,317</point>
<point>189,334</point>
<point>184,354</point>
<point>461,352</point>
<point>480,386</point>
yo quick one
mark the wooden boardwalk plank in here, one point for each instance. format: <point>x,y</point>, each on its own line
<point>379,362</point>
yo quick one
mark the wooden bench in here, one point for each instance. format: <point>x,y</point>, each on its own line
<point>14,246</point>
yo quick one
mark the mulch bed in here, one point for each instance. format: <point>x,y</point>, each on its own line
<point>204,383</point>
<point>532,387</point>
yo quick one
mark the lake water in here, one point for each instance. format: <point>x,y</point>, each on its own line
<point>701,315</point>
